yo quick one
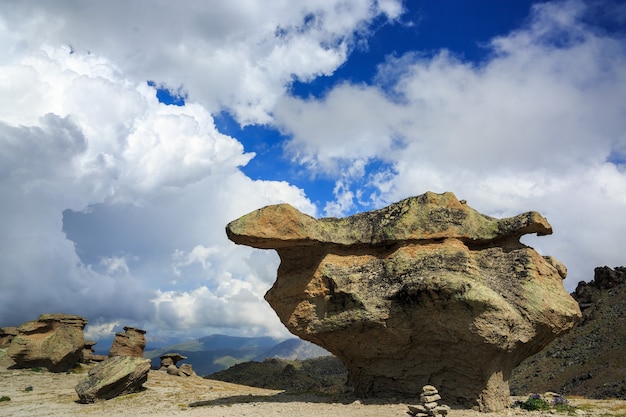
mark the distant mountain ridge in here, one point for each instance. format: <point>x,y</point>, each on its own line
<point>218,352</point>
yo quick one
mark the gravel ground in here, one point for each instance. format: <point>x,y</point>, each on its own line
<point>51,394</point>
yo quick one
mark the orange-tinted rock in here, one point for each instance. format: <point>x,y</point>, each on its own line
<point>425,291</point>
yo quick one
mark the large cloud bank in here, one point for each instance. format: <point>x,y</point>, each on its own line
<point>82,132</point>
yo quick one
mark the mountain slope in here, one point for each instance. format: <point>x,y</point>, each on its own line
<point>324,374</point>
<point>294,349</point>
<point>591,359</point>
<point>217,352</point>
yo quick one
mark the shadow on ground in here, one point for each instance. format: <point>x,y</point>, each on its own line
<point>286,397</point>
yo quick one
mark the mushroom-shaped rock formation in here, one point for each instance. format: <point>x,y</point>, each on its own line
<point>171,359</point>
<point>424,291</point>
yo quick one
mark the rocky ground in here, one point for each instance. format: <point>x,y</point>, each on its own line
<point>42,393</point>
<point>591,359</point>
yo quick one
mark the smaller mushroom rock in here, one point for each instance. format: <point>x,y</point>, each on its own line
<point>171,359</point>
<point>88,351</point>
<point>130,343</point>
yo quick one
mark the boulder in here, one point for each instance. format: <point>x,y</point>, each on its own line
<point>130,343</point>
<point>187,370</point>
<point>53,341</point>
<point>424,291</point>
<point>172,370</point>
<point>119,375</point>
<point>6,335</point>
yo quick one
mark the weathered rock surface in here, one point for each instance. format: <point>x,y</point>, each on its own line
<point>6,335</point>
<point>130,343</point>
<point>425,291</point>
<point>119,375</point>
<point>187,370</point>
<point>53,341</point>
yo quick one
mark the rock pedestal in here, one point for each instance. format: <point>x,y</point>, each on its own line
<point>424,291</point>
<point>130,343</point>
<point>53,341</point>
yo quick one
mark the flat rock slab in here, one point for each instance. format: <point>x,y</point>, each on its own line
<point>119,375</point>
<point>424,291</point>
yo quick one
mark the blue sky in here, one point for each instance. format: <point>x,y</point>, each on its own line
<point>128,143</point>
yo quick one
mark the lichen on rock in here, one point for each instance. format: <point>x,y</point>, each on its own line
<point>424,291</point>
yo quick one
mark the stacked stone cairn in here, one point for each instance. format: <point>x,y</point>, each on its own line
<point>429,406</point>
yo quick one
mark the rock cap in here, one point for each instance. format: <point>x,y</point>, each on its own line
<point>426,217</point>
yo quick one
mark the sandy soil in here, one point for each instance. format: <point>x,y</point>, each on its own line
<point>166,395</point>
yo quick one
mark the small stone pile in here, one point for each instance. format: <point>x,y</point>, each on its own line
<point>429,406</point>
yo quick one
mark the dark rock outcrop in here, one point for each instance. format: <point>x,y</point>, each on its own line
<point>168,364</point>
<point>119,375</point>
<point>590,361</point>
<point>130,343</point>
<point>425,291</point>
<point>604,278</point>
<point>53,341</point>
